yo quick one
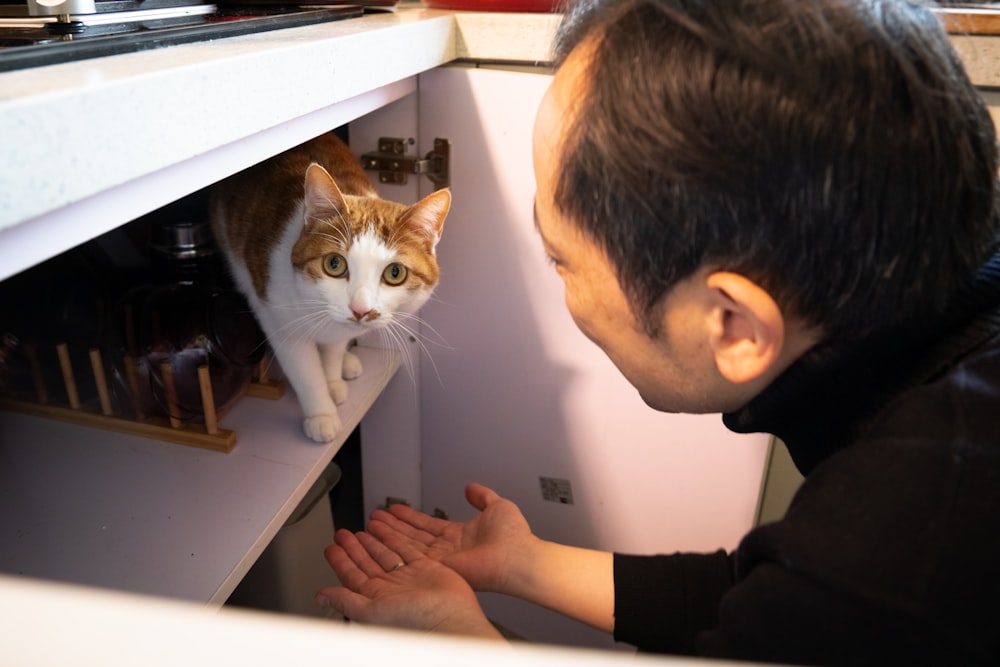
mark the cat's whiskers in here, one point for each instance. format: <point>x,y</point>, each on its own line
<point>309,322</point>
<point>258,208</point>
<point>402,236</point>
<point>423,325</point>
<point>410,333</point>
<point>394,236</point>
<point>397,340</point>
<point>338,239</point>
<point>303,327</point>
<point>340,214</point>
<point>299,305</point>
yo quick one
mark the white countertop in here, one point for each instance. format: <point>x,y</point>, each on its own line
<point>81,129</point>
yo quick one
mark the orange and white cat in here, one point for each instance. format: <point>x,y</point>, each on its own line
<point>322,260</point>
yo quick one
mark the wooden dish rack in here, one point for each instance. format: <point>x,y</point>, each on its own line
<point>206,435</point>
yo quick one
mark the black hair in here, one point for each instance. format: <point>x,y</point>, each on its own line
<point>834,152</point>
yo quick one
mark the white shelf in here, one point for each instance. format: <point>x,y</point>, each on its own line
<point>93,507</point>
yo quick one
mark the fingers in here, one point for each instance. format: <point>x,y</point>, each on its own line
<point>357,560</point>
<point>347,571</point>
<point>387,559</point>
<point>347,602</point>
<point>408,519</point>
<point>393,538</point>
<point>383,523</point>
<point>366,553</point>
<point>361,556</point>
<point>480,496</point>
<point>407,551</point>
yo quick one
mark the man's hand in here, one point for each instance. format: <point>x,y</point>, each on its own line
<point>487,551</point>
<point>402,589</point>
<point>494,551</point>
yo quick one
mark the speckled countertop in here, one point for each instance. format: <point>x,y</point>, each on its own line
<point>72,130</point>
<point>981,56</point>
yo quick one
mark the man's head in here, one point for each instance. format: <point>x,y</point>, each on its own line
<point>719,338</point>
<point>721,185</point>
<point>834,153</point>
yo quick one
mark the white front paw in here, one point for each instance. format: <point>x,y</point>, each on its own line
<point>352,366</point>
<point>322,428</point>
<point>338,391</point>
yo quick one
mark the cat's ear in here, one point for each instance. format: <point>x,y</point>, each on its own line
<point>323,199</point>
<point>425,219</point>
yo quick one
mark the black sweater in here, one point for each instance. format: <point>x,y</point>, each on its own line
<point>890,551</point>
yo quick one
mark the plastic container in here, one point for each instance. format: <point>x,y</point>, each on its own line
<point>292,568</point>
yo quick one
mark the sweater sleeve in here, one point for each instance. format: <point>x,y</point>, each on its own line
<point>663,602</point>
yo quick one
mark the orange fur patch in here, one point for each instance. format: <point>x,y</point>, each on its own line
<point>260,201</point>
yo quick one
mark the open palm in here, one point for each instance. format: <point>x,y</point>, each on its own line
<point>479,550</point>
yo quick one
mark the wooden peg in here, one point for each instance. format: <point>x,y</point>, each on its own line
<point>132,377</point>
<point>207,400</point>
<point>263,386</point>
<point>262,366</point>
<point>173,409</point>
<point>68,379</point>
<point>100,380</point>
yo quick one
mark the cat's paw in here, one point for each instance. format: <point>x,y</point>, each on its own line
<point>322,428</point>
<point>338,391</point>
<point>352,366</point>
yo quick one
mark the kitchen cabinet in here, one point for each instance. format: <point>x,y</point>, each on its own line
<point>99,143</point>
<point>500,389</point>
<point>512,395</point>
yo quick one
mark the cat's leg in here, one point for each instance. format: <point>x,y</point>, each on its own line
<point>300,360</point>
<point>335,358</point>
<point>352,366</point>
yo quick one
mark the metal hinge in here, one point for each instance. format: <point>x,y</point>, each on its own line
<point>394,165</point>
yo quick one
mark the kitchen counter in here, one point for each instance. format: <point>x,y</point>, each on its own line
<point>90,145</point>
<point>76,133</point>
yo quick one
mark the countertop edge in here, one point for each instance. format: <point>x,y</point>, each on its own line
<point>87,127</point>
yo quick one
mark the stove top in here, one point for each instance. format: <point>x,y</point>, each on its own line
<point>30,38</point>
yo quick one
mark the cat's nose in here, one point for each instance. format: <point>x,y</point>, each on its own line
<point>362,315</point>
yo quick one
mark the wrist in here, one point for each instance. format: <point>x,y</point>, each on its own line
<point>473,625</point>
<point>572,581</point>
<point>526,568</point>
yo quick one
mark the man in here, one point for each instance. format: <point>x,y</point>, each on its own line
<point>783,211</point>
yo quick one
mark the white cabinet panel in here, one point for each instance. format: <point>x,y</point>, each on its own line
<point>390,439</point>
<point>520,394</point>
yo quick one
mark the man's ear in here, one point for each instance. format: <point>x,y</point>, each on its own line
<point>745,325</point>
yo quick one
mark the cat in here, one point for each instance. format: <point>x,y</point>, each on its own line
<point>322,259</point>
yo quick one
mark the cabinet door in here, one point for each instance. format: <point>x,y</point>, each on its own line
<point>390,440</point>
<point>515,394</point>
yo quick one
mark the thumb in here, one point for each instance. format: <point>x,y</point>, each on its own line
<point>480,496</point>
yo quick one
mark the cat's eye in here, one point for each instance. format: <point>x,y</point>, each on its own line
<point>395,274</point>
<point>335,265</point>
